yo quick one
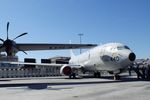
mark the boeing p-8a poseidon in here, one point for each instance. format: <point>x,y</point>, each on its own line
<point>112,57</point>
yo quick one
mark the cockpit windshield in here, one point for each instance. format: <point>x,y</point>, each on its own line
<point>123,47</point>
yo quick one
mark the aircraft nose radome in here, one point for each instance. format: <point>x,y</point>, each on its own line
<point>132,56</point>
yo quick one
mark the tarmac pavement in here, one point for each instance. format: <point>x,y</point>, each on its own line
<point>62,88</point>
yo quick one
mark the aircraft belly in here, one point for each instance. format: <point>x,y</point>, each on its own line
<point>108,67</point>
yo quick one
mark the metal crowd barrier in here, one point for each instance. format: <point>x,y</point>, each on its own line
<point>43,71</point>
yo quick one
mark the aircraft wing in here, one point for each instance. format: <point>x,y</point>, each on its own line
<point>32,47</point>
<point>44,64</point>
<point>36,64</point>
<point>39,64</point>
<point>9,63</point>
<point>64,68</point>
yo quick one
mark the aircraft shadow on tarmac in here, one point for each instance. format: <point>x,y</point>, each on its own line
<point>35,87</point>
<point>5,80</point>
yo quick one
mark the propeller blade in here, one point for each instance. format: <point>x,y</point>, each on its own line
<point>21,50</point>
<point>20,35</point>
<point>24,52</point>
<point>7,29</point>
<point>2,40</point>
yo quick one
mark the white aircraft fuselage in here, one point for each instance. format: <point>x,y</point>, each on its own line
<point>111,57</point>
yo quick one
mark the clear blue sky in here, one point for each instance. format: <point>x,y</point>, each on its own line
<point>58,21</point>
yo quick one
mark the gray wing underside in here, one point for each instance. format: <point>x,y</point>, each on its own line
<point>33,47</point>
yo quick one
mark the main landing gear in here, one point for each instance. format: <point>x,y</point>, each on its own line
<point>97,74</point>
<point>116,77</point>
<point>72,76</point>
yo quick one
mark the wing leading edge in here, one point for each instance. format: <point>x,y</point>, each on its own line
<point>33,47</point>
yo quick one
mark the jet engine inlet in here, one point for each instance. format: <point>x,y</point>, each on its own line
<point>66,70</point>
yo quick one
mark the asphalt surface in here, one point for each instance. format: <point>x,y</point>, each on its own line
<point>62,88</point>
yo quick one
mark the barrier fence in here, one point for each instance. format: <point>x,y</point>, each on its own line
<point>43,71</point>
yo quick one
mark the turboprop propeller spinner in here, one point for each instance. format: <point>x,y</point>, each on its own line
<point>11,47</point>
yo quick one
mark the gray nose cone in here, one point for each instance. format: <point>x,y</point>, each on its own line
<point>132,56</point>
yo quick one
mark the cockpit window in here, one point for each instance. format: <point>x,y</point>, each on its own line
<point>122,47</point>
<point>126,47</point>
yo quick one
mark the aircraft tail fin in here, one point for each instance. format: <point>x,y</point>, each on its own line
<point>72,54</point>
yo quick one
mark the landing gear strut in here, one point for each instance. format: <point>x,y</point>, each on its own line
<point>97,74</point>
<point>116,77</point>
<point>72,76</point>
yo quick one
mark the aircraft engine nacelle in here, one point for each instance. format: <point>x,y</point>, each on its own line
<point>65,70</point>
